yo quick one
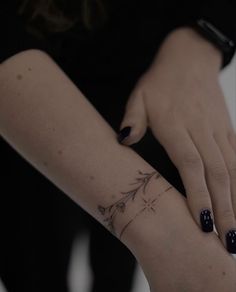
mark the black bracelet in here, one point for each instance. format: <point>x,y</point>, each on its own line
<point>216,37</point>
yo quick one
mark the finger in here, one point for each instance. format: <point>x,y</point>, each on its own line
<point>230,161</point>
<point>232,139</point>
<point>186,158</point>
<point>134,122</point>
<point>218,182</point>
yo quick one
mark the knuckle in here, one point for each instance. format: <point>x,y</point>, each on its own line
<point>201,193</point>
<point>191,159</point>
<point>219,173</point>
<point>232,170</point>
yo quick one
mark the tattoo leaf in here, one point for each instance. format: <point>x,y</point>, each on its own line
<point>101,209</point>
<point>120,207</point>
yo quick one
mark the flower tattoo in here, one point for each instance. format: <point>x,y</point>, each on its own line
<point>148,204</point>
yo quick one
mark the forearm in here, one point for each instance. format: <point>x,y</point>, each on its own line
<point>53,126</point>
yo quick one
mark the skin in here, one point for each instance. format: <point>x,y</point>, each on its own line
<point>179,97</point>
<point>45,117</point>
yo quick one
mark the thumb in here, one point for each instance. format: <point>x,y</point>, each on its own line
<point>134,123</point>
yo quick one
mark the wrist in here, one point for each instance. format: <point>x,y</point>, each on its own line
<point>142,222</point>
<point>197,51</point>
<point>148,229</point>
<point>152,230</point>
<point>206,48</point>
<point>217,37</point>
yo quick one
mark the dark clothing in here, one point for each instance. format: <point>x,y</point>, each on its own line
<point>39,222</point>
<point>127,41</point>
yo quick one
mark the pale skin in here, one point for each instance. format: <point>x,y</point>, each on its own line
<point>48,120</point>
<point>180,99</point>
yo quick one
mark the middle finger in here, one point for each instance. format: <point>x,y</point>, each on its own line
<point>218,183</point>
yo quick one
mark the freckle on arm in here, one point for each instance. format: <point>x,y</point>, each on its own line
<point>19,76</point>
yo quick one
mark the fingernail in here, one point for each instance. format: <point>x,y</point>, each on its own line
<point>206,220</point>
<point>123,134</point>
<point>231,241</point>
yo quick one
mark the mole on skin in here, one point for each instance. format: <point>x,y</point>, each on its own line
<point>19,76</point>
<point>223,273</point>
<point>59,152</point>
<point>45,163</point>
<point>91,177</point>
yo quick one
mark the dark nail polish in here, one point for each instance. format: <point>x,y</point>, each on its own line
<point>231,241</point>
<point>206,220</point>
<point>123,134</point>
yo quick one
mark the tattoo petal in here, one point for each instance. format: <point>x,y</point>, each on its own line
<point>120,207</point>
<point>101,209</point>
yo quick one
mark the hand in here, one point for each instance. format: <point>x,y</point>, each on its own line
<point>180,99</point>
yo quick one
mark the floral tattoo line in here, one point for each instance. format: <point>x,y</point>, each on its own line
<point>149,205</point>
<point>110,212</point>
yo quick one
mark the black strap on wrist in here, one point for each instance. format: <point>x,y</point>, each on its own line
<point>216,37</point>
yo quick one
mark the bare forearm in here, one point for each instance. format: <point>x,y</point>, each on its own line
<point>51,124</point>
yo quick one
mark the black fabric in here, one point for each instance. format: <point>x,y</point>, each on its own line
<point>14,36</point>
<point>38,221</point>
<point>126,43</point>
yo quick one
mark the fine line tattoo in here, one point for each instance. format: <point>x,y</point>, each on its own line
<point>119,206</point>
<point>149,205</point>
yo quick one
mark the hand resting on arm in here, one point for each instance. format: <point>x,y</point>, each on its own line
<point>180,99</point>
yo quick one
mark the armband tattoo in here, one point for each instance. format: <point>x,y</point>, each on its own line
<point>148,203</point>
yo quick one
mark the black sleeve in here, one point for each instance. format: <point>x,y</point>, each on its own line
<point>14,37</point>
